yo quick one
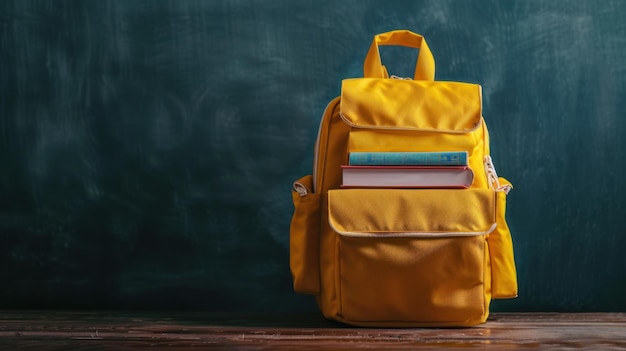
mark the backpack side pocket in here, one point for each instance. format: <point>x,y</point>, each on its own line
<point>304,237</point>
<point>504,275</point>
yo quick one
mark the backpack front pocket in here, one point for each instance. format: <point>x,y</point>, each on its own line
<point>412,257</point>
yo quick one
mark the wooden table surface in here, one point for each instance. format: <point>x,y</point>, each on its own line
<point>67,330</point>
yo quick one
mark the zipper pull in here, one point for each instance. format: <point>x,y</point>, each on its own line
<point>300,189</point>
<point>393,76</point>
<point>492,177</point>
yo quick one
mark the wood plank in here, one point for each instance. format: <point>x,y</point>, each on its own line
<point>59,330</point>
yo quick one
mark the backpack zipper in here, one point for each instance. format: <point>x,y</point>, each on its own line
<point>492,176</point>
<point>412,234</point>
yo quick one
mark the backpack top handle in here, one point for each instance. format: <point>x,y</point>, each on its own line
<point>424,68</point>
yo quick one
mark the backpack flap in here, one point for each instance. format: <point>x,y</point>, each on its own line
<point>425,213</point>
<point>411,105</point>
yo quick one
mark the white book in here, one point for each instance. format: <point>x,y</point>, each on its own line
<point>407,176</point>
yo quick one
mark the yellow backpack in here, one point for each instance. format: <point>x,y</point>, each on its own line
<point>395,255</point>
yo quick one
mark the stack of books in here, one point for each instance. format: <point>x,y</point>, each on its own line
<point>444,169</point>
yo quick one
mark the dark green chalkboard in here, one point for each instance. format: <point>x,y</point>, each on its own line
<point>147,147</point>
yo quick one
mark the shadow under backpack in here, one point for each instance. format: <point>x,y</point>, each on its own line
<point>394,255</point>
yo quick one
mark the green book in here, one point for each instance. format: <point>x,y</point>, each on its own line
<point>434,158</point>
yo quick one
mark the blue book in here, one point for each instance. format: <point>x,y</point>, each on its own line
<point>435,158</point>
